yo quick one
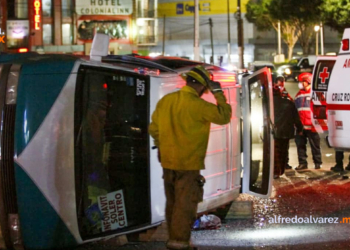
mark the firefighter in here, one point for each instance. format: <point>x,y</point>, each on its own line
<point>180,127</point>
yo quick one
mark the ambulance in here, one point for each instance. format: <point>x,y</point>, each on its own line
<point>77,163</point>
<point>331,96</point>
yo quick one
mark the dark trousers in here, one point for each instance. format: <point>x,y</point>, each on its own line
<point>339,156</point>
<point>287,154</point>
<point>183,193</point>
<point>314,141</point>
<point>281,155</point>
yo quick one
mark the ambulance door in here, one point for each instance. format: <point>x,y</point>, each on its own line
<point>258,143</point>
<point>321,75</point>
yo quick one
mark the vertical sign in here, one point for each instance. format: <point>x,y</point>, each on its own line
<point>37,14</point>
<point>112,207</point>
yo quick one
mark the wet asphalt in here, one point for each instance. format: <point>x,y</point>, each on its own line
<point>312,194</point>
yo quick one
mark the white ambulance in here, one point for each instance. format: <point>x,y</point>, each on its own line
<point>331,96</point>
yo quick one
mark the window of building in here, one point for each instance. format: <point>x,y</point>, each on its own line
<point>47,8</point>
<point>66,33</point>
<point>67,8</point>
<point>21,9</point>
<point>116,29</point>
<point>47,34</point>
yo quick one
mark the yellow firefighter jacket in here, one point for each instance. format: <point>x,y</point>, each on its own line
<point>181,124</point>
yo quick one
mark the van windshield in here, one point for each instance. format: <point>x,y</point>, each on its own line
<point>111,151</point>
<point>294,61</point>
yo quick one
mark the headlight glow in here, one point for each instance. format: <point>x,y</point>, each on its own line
<point>287,71</point>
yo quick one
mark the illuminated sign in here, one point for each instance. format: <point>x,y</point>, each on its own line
<point>37,16</point>
<point>2,36</point>
<point>206,7</point>
<point>103,7</point>
<point>17,33</point>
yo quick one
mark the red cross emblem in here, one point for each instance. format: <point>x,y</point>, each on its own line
<point>324,75</point>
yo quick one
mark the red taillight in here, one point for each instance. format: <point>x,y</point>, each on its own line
<point>345,44</point>
<point>22,50</point>
<point>211,77</point>
<point>105,86</point>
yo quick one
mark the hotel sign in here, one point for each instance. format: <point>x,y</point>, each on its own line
<point>37,15</point>
<point>103,7</point>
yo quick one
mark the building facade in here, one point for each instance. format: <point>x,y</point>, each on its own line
<point>176,33</point>
<point>140,26</point>
<point>68,26</point>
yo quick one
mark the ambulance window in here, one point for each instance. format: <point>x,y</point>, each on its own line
<point>323,70</point>
<point>111,151</point>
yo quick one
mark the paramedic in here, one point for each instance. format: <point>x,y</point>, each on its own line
<point>339,156</point>
<point>302,102</point>
<point>180,128</point>
<point>286,121</point>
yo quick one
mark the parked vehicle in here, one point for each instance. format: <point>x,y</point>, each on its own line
<point>331,77</point>
<point>296,66</point>
<point>77,160</point>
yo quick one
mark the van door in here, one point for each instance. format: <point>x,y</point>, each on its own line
<point>111,151</point>
<point>258,143</point>
<point>320,80</point>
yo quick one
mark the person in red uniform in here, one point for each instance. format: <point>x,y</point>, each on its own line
<point>180,128</point>
<point>302,102</point>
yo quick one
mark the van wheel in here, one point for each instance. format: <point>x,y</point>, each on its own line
<point>222,211</point>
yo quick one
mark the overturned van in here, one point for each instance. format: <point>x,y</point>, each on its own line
<point>77,162</point>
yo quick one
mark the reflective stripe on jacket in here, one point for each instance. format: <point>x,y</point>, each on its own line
<point>181,124</point>
<point>302,102</point>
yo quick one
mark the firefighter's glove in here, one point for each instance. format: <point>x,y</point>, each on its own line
<point>214,87</point>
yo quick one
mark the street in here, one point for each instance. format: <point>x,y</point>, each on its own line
<point>312,194</point>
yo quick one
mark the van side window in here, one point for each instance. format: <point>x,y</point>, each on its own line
<point>305,63</point>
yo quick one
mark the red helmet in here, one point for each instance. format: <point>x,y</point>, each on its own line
<point>305,77</point>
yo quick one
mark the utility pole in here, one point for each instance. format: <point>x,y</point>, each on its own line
<point>196,31</point>
<point>211,41</point>
<point>279,38</point>
<point>322,42</point>
<point>163,50</point>
<point>228,34</point>
<point>240,36</point>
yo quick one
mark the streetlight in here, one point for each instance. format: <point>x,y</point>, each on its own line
<point>317,28</point>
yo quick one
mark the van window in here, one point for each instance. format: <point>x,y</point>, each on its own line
<point>305,63</point>
<point>323,70</point>
<point>111,151</point>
